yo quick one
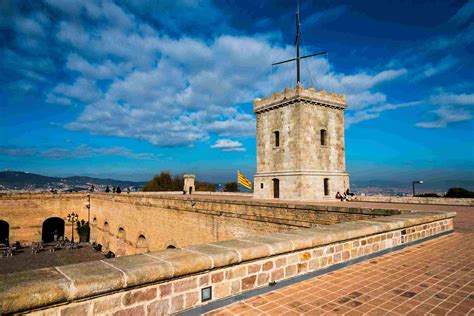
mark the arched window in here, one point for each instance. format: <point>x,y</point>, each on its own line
<point>171,247</point>
<point>276,135</point>
<point>106,227</point>
<point>323,137</point>
<point>326,186</point>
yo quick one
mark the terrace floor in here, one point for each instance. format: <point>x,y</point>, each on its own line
<point>435,278</point>
<point>24,260</point>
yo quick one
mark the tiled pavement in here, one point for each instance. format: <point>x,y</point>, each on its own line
<point>435,277</point>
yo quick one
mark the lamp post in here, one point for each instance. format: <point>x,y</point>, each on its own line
<point>418,181</point>
<point>72,218</point>
<point>88,205</point>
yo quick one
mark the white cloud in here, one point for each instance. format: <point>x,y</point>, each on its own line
<point>82,89</point>
<point>446,115</point>
<point>452,99</point>
<point>430,69</point>
<point>228,145</point>
<point>131,79</point>
<point>374,112</point>
<point>364,99</point>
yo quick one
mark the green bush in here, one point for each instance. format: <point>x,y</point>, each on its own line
<point>459,193</point>
<point>164,182</point>
<point>231,187</point>
<point>83,230</point>
<point>428,195</point>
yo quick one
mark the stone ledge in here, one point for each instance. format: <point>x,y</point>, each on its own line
<point>41,288</point>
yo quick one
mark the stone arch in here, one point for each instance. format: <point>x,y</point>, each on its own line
<point>121,233</point>
<point>105,236</point>
<point>52,229</point>
<point>142,244</point>
<point>171,244</point>
<point>4,232</point>
<point>121,245</point>
<point>94,230</point>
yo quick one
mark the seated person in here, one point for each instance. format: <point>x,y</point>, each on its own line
<point>349,193</point>
<point>339,196</point>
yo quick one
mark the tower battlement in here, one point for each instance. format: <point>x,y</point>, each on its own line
<point>299,93</point>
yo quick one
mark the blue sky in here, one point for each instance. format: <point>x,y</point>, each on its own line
<point>125,89</point>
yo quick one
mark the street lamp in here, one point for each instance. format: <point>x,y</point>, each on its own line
<point>418,181</point>
<point>72,218</point>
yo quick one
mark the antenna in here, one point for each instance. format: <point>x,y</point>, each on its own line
<point>297,44</point>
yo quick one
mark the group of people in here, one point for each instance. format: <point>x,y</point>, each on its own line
<point>344,197</point>
<point>115,190</point>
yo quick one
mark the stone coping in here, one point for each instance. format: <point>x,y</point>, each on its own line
<point>286,204</point>
<point>45,287</point>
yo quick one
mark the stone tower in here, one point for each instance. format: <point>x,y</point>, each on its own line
<point>300,145</point>
<point>189,183</point>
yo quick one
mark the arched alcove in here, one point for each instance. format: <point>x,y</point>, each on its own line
<point>4,232</point>
<point>142,244</point>
<point>53,227</point>
<point>121,233</point>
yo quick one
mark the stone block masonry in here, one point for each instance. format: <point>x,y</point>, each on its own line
<point>300,145</point>
<point>171,281</point>
<point>134,223</point>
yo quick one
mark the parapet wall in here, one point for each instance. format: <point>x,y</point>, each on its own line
<point>154,221</point>
<point>183,220</point>
<point>415,200</point>
<point>171,281</point>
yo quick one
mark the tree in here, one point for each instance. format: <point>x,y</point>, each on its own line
<point>83,230</point>
<point>231,187</point>
<point>428,195</point>
<point>205,186</point>
<point>164,182</point>
<point>459,193</point>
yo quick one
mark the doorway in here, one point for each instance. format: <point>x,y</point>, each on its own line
<point>52,228</point>
<point>4,232</point>
<point>276,188</point>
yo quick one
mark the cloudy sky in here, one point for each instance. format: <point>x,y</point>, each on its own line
<point>127,88</point>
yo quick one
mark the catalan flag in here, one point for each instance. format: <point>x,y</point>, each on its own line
<point>243,180</point>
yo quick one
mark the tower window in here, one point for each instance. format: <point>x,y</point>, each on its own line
<point>323,137</point>
<point>261,185</point>
<point>277,138</point>
<point>326,186</point>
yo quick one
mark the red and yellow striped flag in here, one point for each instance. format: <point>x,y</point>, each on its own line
<point>243,180</point>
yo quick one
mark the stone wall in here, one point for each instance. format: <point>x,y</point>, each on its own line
<point>415,200</point>
<point>26,212</point>
<point>170,281</point>
<point>137,222</point>
<point>180,221</point>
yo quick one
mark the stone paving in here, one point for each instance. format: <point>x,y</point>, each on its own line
<point>435,278</point>
<point>24,260</point>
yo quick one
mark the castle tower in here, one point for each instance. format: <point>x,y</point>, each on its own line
<point>300,145</point>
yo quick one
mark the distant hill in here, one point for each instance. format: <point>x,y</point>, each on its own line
<point>18,180</point>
